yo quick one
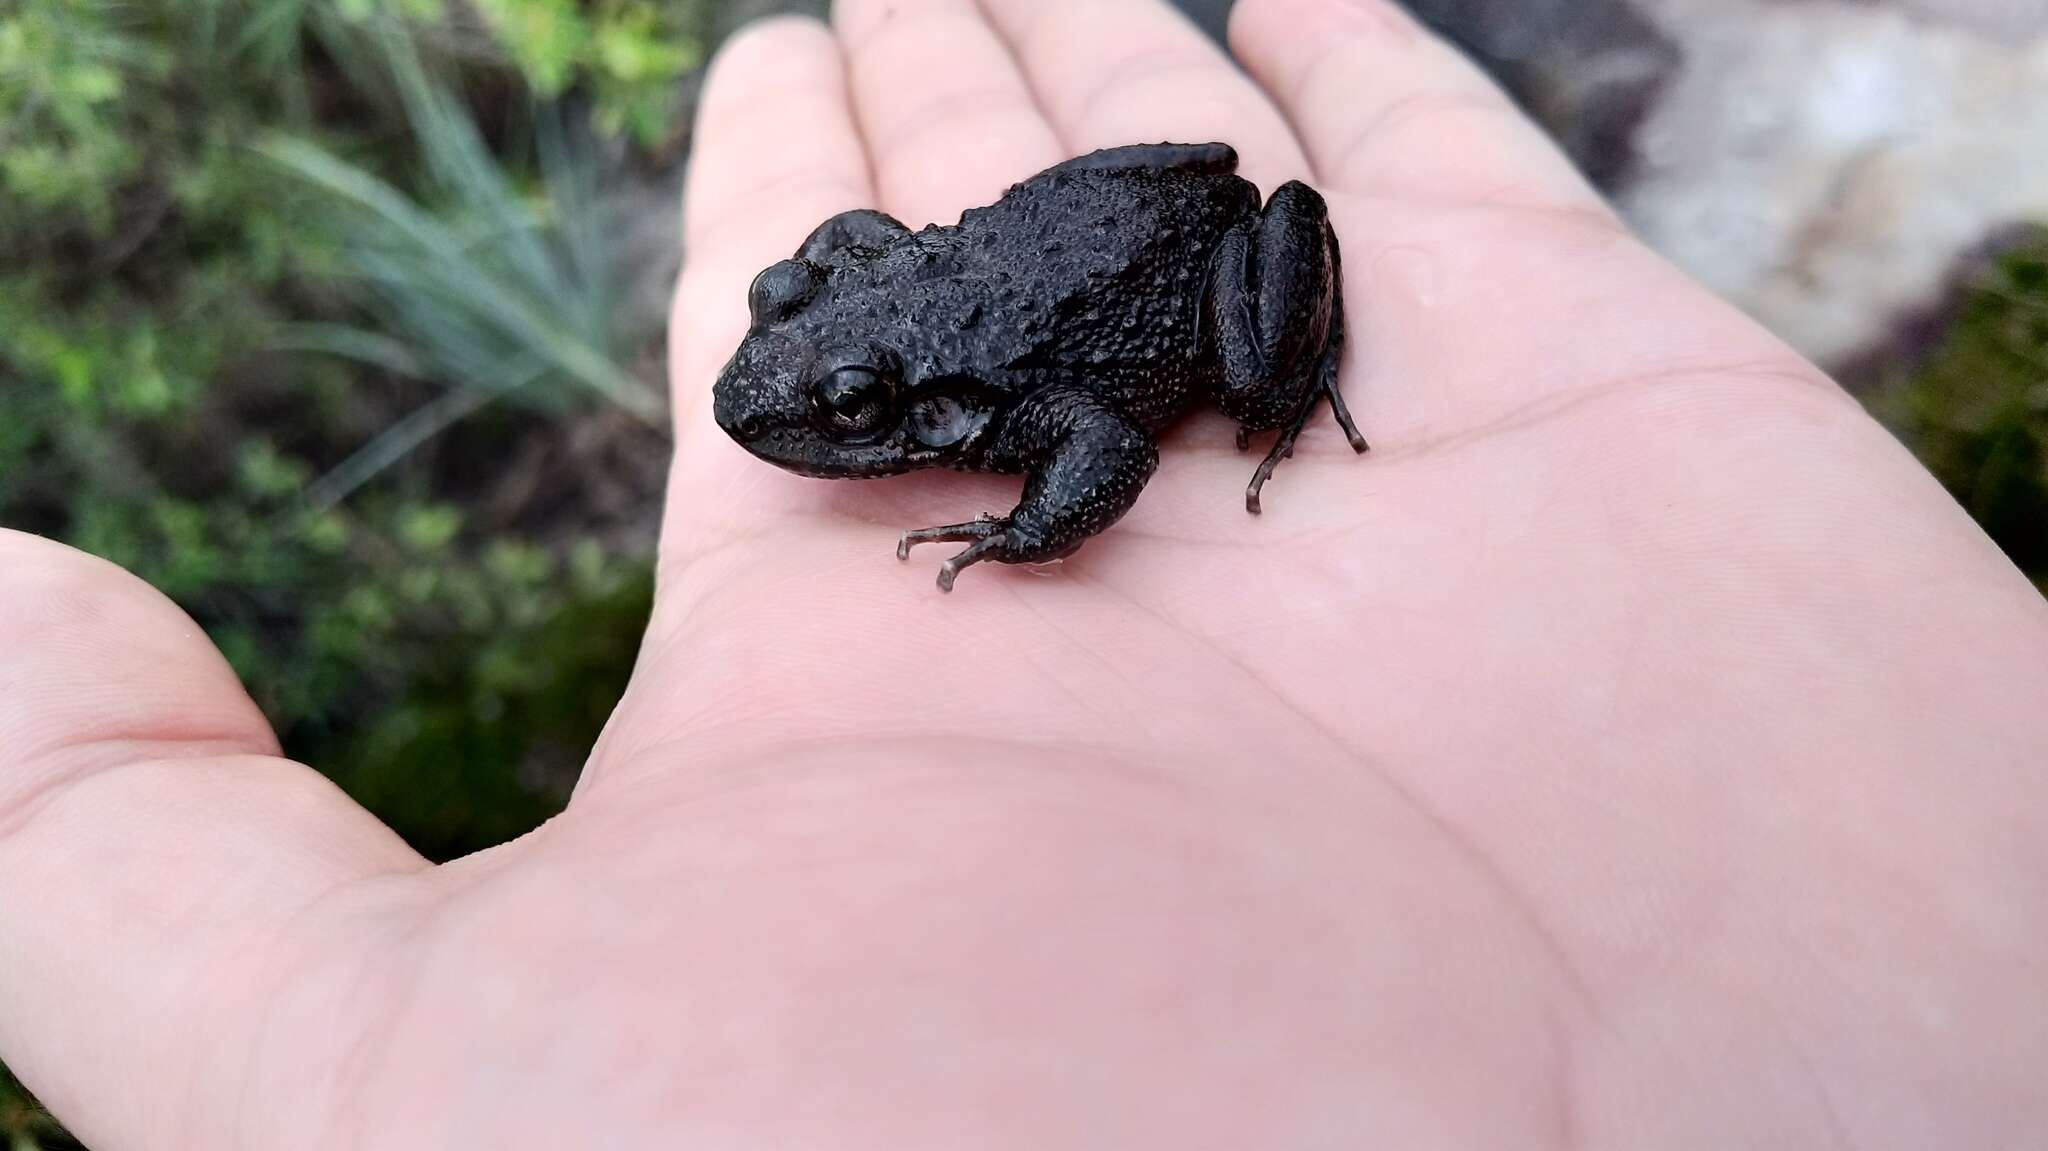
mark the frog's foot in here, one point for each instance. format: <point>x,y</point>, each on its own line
<point>988,538</point>
<point>974,531</point>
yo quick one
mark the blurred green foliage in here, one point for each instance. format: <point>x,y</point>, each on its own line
<point>266,266</point>
<point>488,739</point>
<point>1976,412</point>
<point>631,52</point>
<point>116,202</point>
<point>24,1125</point>
<point>500,292</point>
<point>207,355</point>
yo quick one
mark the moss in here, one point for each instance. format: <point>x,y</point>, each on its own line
<point>489,735</point>
<point>24,1125</point>
<point>1976,409</point>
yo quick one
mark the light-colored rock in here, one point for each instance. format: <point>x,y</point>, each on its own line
<point>2023,18</point>
<point>1823,164</point>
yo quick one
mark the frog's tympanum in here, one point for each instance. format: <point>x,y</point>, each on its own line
<point>1052,334</point>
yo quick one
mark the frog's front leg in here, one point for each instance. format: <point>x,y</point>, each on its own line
<point>1276,308</point>
<point>1084,461</point>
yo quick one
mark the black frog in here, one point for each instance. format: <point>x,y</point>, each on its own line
<point>1053,334</point>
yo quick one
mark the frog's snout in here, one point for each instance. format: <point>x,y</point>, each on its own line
<point>725,409</point>
<point>737,407</point>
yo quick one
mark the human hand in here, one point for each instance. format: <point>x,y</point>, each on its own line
<point>1637,749</point>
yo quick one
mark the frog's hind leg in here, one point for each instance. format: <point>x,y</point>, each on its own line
<point>1276,315</point>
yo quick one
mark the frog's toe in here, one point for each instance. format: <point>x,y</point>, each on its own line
<point>1344,420</point>
<point>997,546</point>
<point>1283,449</point>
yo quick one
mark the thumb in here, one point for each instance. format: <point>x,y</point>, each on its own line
<point>154,849</point>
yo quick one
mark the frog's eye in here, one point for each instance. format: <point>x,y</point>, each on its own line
<point>854,403</point>
<point>781,290</point>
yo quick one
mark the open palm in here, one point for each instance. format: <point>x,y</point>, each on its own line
<point>1636,750</point>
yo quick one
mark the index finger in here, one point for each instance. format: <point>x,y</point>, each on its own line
<point>775,152</point>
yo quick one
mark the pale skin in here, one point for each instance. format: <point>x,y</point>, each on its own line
<point>1636,750</point>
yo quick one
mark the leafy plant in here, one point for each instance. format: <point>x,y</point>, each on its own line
<point>499,293</point>
<point>163,410</point>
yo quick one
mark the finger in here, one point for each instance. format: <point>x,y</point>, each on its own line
<point>1386,108</point>
<point>775,153</point>
<point>152,847</point>
<point>948,118</point>
<point>1111,72</point>
<point>1488,287</point>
